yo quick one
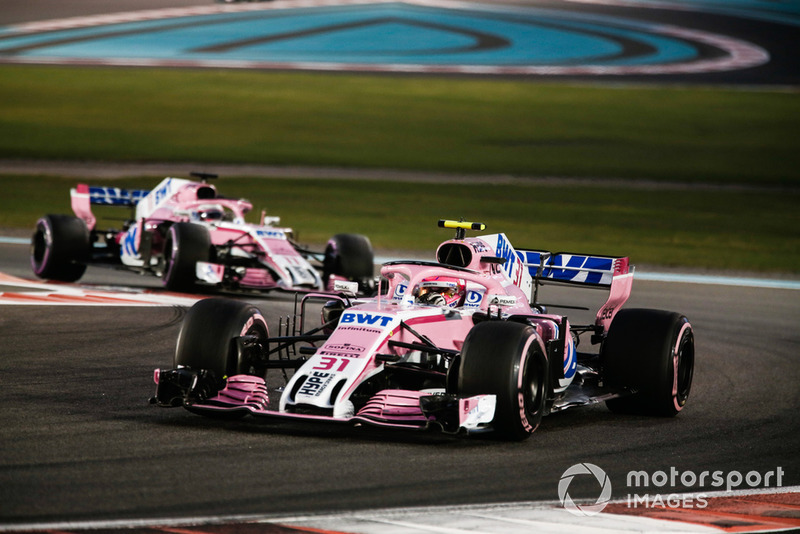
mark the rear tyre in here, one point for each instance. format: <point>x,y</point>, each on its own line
<point>349,256</point>
<point>507,360</point>
<point>185,245</point>
<point>60,248</point>
<point>651,352</point>
<point>207,337</point>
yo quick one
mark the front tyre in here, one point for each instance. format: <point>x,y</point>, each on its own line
<point>652,353</point>
<point>60,247</point>
<point>349,256</point>
<point>207,340</point>
<point>507,360</point>
<point>185,245</point>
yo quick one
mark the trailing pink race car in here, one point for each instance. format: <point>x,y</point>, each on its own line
<point>186,233</point>
<point>461,345</point>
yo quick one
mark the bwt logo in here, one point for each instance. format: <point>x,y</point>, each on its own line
<point>160,194</point>
<point>473,299</point>
<point>570,267</point>
<point>366,318</point>
<point>271,233</point>
<point>505,250</point>
<point>400,290</point>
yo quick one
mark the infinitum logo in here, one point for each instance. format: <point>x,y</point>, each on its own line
<point>580,470</point>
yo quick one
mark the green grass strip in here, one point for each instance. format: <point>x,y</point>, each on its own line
<point>737,230</point>
<point>421,123</point>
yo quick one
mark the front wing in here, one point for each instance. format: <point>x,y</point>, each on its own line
<point>243,395</point>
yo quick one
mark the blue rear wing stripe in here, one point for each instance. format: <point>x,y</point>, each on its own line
<point>114,196</point>
<point>575,268</point>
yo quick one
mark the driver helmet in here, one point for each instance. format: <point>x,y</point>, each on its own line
<point>209,213</point>
<point>441,291</point>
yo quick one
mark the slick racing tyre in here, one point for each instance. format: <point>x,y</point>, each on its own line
<point>207,340</point>
<point>506,359</point>
<point>349,256</point>
<point>60,248</point>
<point>652,353</point>
<point>185,245</point>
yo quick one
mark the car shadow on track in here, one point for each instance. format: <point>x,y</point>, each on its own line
<point>592,420</point>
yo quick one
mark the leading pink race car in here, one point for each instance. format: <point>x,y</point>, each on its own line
<point>185,232</point>
<point>461,345</point>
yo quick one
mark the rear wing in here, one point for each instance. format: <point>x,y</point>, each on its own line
<point>114,196</point>
<point>573,268</point>
<point>603,272</point>
<point>84,196</point>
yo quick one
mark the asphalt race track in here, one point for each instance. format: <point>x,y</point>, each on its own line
<point>80,442</point>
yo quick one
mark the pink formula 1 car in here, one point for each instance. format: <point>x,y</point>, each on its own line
<point>186,233</point>
<point>461,345</point>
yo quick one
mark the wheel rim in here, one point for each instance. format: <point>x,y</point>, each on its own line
<point>685,369</point>
<point>39,247</point>
<point>169,255</point>
<point>531,398</point>
<point>532,389</point>
<point>245,363</point>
